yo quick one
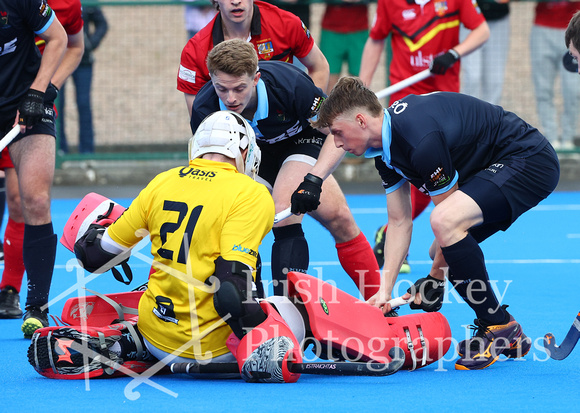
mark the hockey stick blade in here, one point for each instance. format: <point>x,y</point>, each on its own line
<point>341,368</point>
<point>563,350</point>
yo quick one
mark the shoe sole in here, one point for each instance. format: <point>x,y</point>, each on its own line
<point>30,325</point>
<point>461,367</point>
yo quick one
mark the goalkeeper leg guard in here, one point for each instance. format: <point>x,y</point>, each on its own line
<point>264,352</point>
<point>76,352</point>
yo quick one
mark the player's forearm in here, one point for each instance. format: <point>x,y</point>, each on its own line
<point>370,60</point>
<point>70,62</point>
<point>474,40</point>
<point>397,242</point>
<point>189,102</point>
<point>328,160</point>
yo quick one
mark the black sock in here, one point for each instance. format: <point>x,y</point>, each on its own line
<point>38,253</point>
<point>467,269</point>
<point>289,253</point>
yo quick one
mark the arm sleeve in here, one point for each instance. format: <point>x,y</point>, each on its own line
<point>432,160</point>
<point>191,76</point>
<point>470,14</point>
<point>381,25</point>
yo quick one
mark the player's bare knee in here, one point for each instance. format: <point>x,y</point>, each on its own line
<point>442,224</point>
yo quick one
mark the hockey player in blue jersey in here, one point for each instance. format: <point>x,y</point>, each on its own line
<point>482,166</point>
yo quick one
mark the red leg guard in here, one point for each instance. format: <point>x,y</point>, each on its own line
<point>358,260</point>
<point>13,261</point>
<point>263,353</point>
<point>101,310</point>
<point>355,330</point>
<point>77,352</point>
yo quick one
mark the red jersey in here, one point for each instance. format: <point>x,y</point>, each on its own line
<point>69,14</point>
<point>556,14</point>
<point>420,33</point>
<point>276,34</point>
<point>346,18</point>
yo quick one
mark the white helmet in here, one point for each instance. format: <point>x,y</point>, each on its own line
<point>227,133</point>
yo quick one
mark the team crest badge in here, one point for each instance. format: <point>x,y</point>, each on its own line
<point>306,31</point>
<point>3,18</point>
<point>265,50</point>
<point>441,7</point>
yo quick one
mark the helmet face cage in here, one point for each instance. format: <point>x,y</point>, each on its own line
<point>229,134</point>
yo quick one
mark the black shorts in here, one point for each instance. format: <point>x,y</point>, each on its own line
<point>46,126</point>
<point>510,187</point>
<point>300,148</point>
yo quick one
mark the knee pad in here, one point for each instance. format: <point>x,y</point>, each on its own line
<point>289,253</point>
<point>263,353</point>
<point>233,300</point>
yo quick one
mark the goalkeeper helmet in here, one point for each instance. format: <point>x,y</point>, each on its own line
<point>229,134</point>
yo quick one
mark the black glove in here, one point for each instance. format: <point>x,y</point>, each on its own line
<point>51,93</point>
<point>570,64</point>
<point>441,63</point>
<point>95,259</point>
<point>432,291</point>
<point>307,197</point>
<point>31,108</point>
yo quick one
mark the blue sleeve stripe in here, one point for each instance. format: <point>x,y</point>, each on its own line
<point>47,25</point>
<point>447,188</point>
<point>395,187</point>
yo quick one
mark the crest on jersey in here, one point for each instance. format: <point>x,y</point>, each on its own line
<point>44,9</point>
<point>265,49</point>
<point>305,30</point>
<point>3,18</point>
<point>441,7</point>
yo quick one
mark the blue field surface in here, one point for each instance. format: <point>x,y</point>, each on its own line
<point>535,267</point>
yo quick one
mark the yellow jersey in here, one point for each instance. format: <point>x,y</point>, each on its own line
<point>193,214</point>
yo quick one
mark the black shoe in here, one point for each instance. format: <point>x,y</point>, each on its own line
<point>34,318</point>
<point>10,303</point>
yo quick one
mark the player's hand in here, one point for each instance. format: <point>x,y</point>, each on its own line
<point>429,293</point>
<point>31,108</point>
<point>307,197</point>
<point>381,300</point>
<point>442,63</point>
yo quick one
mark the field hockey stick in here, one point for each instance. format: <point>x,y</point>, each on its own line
<point>404,83</point>
<point>339,368</point>
<point>9,137</point>
<point>563,350</point>
<point>282,215</point>
<point>399,301</point>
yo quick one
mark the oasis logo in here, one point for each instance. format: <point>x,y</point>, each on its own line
<point>245,250</point>
<point>186,170</point>
<point>323,305</point>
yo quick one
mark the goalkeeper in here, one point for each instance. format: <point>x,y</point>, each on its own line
<point>206,221</point>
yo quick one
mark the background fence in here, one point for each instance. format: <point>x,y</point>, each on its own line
<point>140,115</point>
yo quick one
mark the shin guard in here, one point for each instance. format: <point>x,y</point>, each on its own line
<point>263,353</point>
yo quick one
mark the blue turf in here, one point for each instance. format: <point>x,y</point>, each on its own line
<point>535,264</point>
